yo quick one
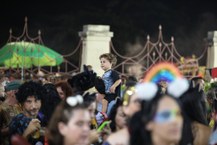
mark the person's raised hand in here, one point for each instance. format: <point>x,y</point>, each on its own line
<point>33,126</point>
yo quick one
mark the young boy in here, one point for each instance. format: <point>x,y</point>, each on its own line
<point>111,79</point>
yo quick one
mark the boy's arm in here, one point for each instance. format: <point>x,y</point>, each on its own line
<point>113,87</point>
<point>104,105</point>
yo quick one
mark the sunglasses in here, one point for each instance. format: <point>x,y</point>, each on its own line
<point>167,116</point>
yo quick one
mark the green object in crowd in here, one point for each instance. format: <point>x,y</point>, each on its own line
<point>26,54</point>
<point>103,125</point>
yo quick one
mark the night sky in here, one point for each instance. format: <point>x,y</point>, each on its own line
<point>130,20</point>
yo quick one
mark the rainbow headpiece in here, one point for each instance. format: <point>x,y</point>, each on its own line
<point>163,71</point>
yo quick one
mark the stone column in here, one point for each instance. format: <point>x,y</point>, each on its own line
<point>96,41</point>
<point>212,49</point>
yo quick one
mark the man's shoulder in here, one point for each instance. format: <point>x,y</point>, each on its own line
<point>19,120</point>
<point>19,117</point>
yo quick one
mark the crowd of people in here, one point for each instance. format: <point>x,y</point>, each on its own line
<point>87,109</point>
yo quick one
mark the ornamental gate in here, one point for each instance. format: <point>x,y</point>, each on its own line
<point>154,52</point>
<point>151,53</point>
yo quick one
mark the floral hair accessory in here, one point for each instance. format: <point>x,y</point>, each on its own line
<point>74,100</point>
<point>146,91</point>
<point>178,87</point>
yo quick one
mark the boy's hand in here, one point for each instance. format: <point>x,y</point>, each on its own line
<point>112,89</point>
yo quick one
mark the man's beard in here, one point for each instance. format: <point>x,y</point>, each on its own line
<point>30,114</point>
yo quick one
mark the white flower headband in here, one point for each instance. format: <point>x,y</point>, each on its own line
<point>147,90</point>
<point>74,100</point>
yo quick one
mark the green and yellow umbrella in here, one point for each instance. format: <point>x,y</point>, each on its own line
<point>26,54</point>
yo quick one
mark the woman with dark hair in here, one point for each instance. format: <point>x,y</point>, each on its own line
<point>64,89</point>
<point>69,123</point>
<point>131,104</point>
<point>90,103</point>
<point>50,101</point>
<point>117,116</point>
<point>192,102</point>
<point>159,122</point>
<point>163,122</point>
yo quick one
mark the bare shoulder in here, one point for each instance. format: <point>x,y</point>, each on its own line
<point>201,133</point>
<point>120,137</point>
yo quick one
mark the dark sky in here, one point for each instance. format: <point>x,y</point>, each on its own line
<point>130,20</point>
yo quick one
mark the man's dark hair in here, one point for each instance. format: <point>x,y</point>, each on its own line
<point>29,89</point>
